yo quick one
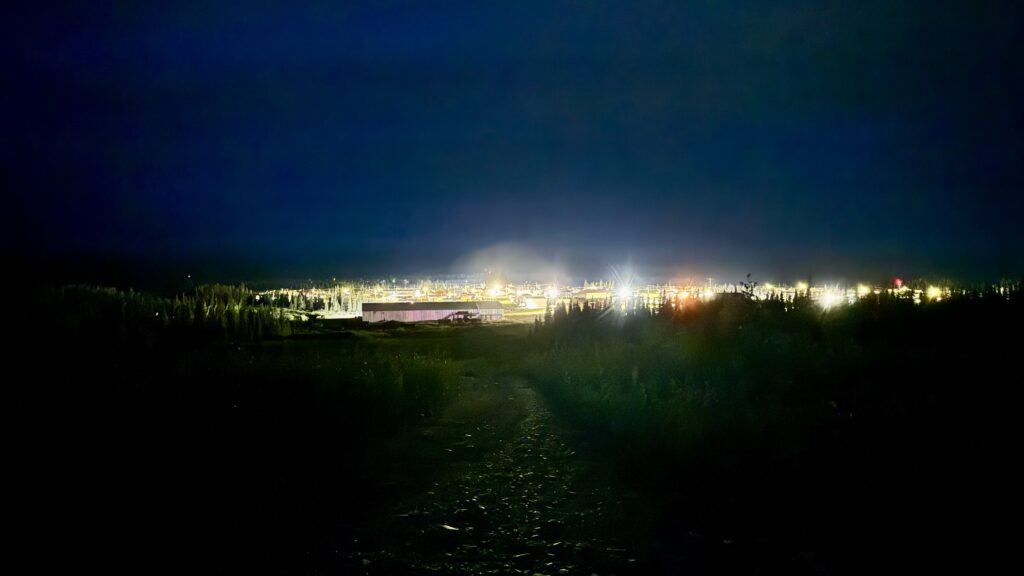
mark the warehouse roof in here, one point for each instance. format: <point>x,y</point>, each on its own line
<point>396,306</point>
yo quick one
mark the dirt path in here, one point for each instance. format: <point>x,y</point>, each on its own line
<point>512,497</point>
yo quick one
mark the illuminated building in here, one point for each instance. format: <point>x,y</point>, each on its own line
<point>485,311</point>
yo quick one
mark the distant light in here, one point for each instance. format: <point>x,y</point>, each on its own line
<point>801,286</point>
<point>898,282</point>
<point>830,299</point>
<point>625,292</point>
<point>552,293</point>
<point>863,290</point>
<point>934,293</point>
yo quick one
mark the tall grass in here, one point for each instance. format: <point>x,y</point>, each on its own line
<point>780,420</point>
<point>179,446</point>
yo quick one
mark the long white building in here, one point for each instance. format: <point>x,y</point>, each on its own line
<point>432,311</point>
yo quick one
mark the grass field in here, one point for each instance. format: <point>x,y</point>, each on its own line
<point>737,437</point>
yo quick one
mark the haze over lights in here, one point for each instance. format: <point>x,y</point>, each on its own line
<point>831,299</point>
<point>528,299</point>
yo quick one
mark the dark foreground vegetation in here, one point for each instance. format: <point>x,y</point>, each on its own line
<point>153,437</point>
<point>209,434</point>
<point>870,437</point>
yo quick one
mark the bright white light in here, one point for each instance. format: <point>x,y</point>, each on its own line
<point>495,290</point>
<point>625,293</point>
<point>801,286</point>
<point>552,293</point>
<point>830,299</point>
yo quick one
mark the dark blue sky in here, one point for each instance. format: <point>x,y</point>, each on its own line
<point>833,138</point>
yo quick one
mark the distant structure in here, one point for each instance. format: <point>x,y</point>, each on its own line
<point>432,311</point>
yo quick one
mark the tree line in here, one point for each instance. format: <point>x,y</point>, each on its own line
<point>209,312</point>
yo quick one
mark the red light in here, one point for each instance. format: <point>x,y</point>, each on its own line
<point>898,282</point>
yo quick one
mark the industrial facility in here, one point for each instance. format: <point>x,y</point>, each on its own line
<point>471,300</point>
<point>482,311</point>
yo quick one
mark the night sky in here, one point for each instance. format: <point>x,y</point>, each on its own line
<point>834,139</point>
